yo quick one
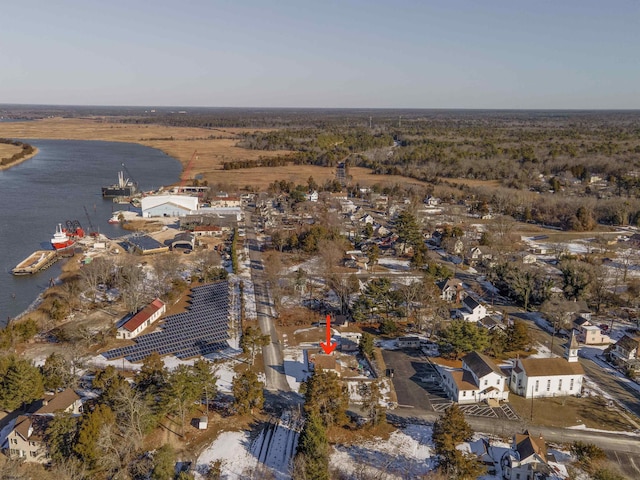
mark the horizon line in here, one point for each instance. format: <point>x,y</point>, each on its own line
<point>183,107</point>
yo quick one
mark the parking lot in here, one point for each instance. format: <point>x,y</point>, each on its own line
<point>418,385</point>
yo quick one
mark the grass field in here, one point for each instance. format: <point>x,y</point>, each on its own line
<point>182,142</point>
<point>569,412</point>
<point>7,151</point>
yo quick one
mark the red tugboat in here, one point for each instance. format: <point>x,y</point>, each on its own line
<point>66,237</point>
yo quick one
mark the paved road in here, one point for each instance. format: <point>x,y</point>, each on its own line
<point>272,353</point>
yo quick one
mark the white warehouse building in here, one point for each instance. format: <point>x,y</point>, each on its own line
<point>168,205</point>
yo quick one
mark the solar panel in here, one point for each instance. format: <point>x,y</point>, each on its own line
<point>202,329</point>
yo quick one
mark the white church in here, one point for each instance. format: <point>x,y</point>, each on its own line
<point>548,377</point>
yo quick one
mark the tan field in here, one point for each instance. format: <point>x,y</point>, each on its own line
<point>182,142</point>
<point>7,151</point>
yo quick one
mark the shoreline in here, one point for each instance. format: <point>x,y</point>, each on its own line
<point>23,159</point>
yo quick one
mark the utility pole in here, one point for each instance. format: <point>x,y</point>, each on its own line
<point>369,123</point>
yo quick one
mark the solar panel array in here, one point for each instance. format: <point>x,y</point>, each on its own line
<point>202,329</point>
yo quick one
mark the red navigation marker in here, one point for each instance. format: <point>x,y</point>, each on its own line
<point>328,347</point>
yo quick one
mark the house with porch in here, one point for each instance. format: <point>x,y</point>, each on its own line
<point>527,458</point>
<point>626,352</point>
<point>451,290</point>
<point>479,379</point>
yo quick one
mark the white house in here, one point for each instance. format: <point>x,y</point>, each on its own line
<point>312,196</point>
<point>409,342</point>
<point>168,205</point>
<point>472,311</point>
<point>226,201</point>
<point>451,290</point>
<point>527,459</point>
<point>141,320</point>
<point>626,352</point>
<point>548,377</point>
<point>366,219</point>
<point>479,379</point>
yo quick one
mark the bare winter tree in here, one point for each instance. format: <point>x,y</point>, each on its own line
<point>130,278</point>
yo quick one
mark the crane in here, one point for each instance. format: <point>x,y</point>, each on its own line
<point>187,169</point>
<point>93,232</point>
<point>130,179</point>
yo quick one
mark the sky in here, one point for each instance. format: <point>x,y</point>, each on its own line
<point>542,54</point>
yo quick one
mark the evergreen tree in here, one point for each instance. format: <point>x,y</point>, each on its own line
<point>21,383</point>
<point>109,381</point>
<point>366,344</point>
<point>461,337</point>
<point>408,229</point>
<point>61,436</point>
<point>326,396</point>
<point>252,339</point>
<point>450,430</point>
<point>518,337</point>
<point>91,424</point>
<point>182,391</point>
<point>247,391</point>
<point>205,380</point>
<point>56,372</point>
<point>163,463</point>
<point>152,376</point>
<point>313,449</point>
<point>371,398</point>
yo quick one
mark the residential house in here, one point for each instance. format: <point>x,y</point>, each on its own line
<point>478,380</point>
<point>132,327</point>
<point>26,439</point>
<point>366,219</point>
<point>409,342</point>
<point>527,459</point>
<point>588,333</point>
<point>325,362</point>
<point>492,323</point>
<point>472,310</point>
<point>225,200</point>
<point>626,352</point>
<point>451,290</point>
<point>431,201</point>
<point>312,196</point>
<point>66,401</point>
<point>478,254</point>
<point>548,377</point>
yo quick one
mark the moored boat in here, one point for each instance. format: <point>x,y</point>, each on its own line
<point>66,237</point>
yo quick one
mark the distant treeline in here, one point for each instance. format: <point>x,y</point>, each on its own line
<point>25,151</point>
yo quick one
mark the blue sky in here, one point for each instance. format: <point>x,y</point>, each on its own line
<point>328,53</point>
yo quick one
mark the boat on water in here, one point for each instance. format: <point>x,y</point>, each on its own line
<point>115,218</point>
<point>124,188</point>
<point>67,237</point>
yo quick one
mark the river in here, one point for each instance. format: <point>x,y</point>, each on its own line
<point>55,186</point>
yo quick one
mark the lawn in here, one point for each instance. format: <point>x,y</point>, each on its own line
<point>570,412</point>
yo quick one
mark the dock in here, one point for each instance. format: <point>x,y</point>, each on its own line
<point>38,260</point>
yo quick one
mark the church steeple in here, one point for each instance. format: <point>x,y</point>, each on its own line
<point>571,348</point>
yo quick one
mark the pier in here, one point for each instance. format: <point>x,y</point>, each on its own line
<point>37,261</point>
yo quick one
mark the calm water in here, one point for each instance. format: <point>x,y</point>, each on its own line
<point>53,187</point>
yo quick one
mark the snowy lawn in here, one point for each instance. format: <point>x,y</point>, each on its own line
<point>233,449</point>
<point>406,454</point>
